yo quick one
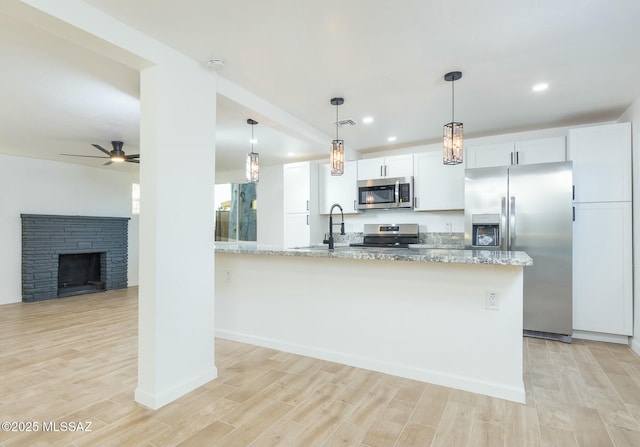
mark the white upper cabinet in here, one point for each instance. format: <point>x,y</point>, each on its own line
<point>601,158</point>
<point>296,184</point>
<point>437,186</point>
<point>381,167</point>
<point>543,150</point>
<point>341,189</point>
<point>489,155</point>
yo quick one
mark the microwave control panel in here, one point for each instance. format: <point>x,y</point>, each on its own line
<point>404,194</point>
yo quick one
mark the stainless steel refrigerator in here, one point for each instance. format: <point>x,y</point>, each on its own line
<point>528,208</point>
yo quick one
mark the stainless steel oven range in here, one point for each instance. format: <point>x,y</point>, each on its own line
<point>389,235</point>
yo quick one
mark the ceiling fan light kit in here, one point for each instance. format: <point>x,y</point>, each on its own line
<point>116,155</point>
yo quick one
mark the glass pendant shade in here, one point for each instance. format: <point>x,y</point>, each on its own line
<point>337,157</point>
<point>253,167</point>
<point>452,150</point>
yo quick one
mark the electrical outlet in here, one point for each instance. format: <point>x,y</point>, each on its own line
<point>492,300</point>
<point>228,276</point>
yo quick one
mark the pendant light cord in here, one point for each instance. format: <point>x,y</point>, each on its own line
<point>453,95</point>
<point>337,122</point>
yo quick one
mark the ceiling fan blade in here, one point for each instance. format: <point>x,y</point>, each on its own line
<point>128,157</point>
<point>132,161</point>
<point>100,148</point>
<point>108,163</point>
<point>85,156</point>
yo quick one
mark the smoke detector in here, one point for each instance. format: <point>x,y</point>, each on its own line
<point>215,64</point>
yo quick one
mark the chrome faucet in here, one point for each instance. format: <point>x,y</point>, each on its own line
<point>330,239</point>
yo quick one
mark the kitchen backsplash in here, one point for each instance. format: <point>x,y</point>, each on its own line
<point>445,240</point>
<point>442,239</point>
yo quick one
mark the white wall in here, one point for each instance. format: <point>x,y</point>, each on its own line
<point>33,186</point>
<point>632,114</point>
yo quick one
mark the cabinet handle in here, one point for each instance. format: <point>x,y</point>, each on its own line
<point>517,157</point>
<point>415,202</point>
<point>573,187</point>
<point>380,170</point>
<point>574,213</point>
<point>385,170</point>
<point>511,157</point>
<point>307,219</point>
<point>355,207</point>
<point>307,205</point>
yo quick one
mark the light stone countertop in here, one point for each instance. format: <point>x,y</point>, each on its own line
<point>416,254</point>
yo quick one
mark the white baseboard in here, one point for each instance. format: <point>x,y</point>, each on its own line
<point>516,394</point>
<point>635,345</point>
<point>157,400</point>
<point>601,336</point>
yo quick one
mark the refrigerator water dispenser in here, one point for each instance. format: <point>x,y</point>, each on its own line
<point>485,231</point>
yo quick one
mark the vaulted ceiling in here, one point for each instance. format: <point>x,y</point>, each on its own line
<point>386,58</point>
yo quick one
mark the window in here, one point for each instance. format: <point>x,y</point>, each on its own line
<point>135,199</point>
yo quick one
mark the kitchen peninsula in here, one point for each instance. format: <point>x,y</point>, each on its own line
<point>416,313</point>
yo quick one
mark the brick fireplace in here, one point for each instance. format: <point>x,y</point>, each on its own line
<point>93,252</point>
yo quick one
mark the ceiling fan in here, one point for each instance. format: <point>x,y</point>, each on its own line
<point>117,155</point>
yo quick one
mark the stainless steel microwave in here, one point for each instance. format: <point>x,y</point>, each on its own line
<point>385,193</point>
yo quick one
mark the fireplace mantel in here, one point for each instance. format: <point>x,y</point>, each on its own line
<point>45,237</point>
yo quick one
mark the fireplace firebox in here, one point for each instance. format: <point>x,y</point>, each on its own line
<point>79,273</point>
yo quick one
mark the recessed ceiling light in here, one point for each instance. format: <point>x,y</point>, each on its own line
<point>367,120</point>
<point>290,154</point>
<point>540,87</point>
<point>391,139</point>
<point>253,141</point>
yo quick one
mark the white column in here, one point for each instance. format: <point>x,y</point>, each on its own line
<point>177,176</point>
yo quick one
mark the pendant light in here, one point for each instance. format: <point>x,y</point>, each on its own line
<point>336,157</point>
<point>253,165</point>
<point>452,149</point>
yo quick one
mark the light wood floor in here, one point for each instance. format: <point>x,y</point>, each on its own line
<point>74,360</point>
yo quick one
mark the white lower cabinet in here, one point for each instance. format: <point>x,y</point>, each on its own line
<point>300,204</point>
<point>297,231</point>
<point>602,269</point>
